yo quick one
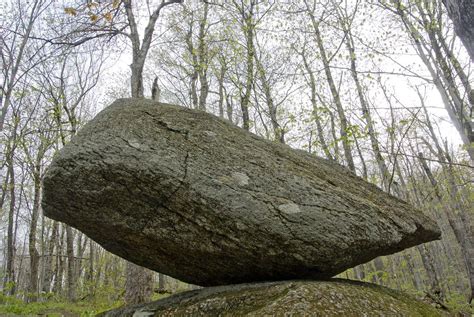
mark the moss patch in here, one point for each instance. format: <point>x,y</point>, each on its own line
<point>296,298</point>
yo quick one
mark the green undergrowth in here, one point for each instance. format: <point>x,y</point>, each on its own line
<point>12,306</point>
<point>16,307</point>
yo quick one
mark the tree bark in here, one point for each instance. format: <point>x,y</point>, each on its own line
<point>195,64</point>
<point>140,50</point>
<point>138,285</point>
<point>461,13</point>
<point>9,280</point>
<point>34,255</point>
<point>59,266</point>
<point>248,25</point>
<point>48,259</point>
<point>278,131</point>
<point>460,224</point>
<point>316,116</point>
<point>203,55</point>
<point>344,128</point>
<point>440,73</point>
<point>71,276</point>
<point>365,111</point>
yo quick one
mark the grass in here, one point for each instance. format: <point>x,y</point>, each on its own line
<point>15,307</point>
<point>11,306</point>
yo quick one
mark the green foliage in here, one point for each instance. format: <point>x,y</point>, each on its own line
<point>457,303</point>
<point>14,306</point>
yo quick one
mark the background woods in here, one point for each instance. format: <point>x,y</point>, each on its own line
<point>382,87</point>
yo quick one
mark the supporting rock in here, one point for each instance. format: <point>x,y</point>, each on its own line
<point>293,298</point>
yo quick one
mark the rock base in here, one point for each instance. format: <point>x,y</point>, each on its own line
<point>289,298</point>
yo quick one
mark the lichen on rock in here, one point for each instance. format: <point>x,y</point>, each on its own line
<point>289,298</point>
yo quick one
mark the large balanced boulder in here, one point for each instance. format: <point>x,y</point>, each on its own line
<point>190,195</point>
<point>294,298</point>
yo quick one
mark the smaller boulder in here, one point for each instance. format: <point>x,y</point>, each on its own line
<point>290,298</point>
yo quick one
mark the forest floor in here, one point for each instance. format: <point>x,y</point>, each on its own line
<point>13,307</point>
<point>53,308</point>
<point>10,307</point>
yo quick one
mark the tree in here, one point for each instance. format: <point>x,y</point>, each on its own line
<point>325,59</point>
<point>140,48</point>
<point>423,22</point>
<point>17,60</point>
<point>462,14</point>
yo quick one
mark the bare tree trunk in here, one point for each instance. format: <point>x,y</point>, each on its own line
<point>203,59</point>
<point>440,73</point>
<point>59,266</point>
<point>138,285</point>
<point>278,132</point>
<point>316,116</point>
<point>90,272</point>
<point>344,128</point>
<point>155,90</point>
<point>27,23</point>
<point>34,255</point>
<point>229,107</point>
<point>428,263</point>
<point>140,49</point>
<point>248,27</point>
<point>462,14</point>
<point>195,64</point>
<point>379,269</point>
<point>365,111</point>
<point>460,224</point>
<point>9,280</point>
<point>71,276</point>
<point>365,174</point>
<point>220,79</point>
<point>48,261</point>
<point>161,282</point>
<point>413,272</point>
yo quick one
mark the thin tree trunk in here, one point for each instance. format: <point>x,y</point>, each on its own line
<point>203,59</point>
<point>71,276</point>
<point>59,267</point>
<point>439,72</point>
<point>9,281</point>
<point>34,255</point>
<point>412,270</point>
<point>462,14</point>
<point>229,107</point>
<point>248,26</point>
<point>315,116</point>
<point>278,132</point>
<point>137,278</point>
<point>161,282</point>
<point>366,113</point>
<point>195,64</point>
<point>460,224</point>
<point>90,272</point>
<point>428,263</point>
<point>48,261</point>
<point>344,125</point>
<point>220,80</point>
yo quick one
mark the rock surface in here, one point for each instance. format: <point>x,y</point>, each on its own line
<point>192,196</point>
<point>293,298</point>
